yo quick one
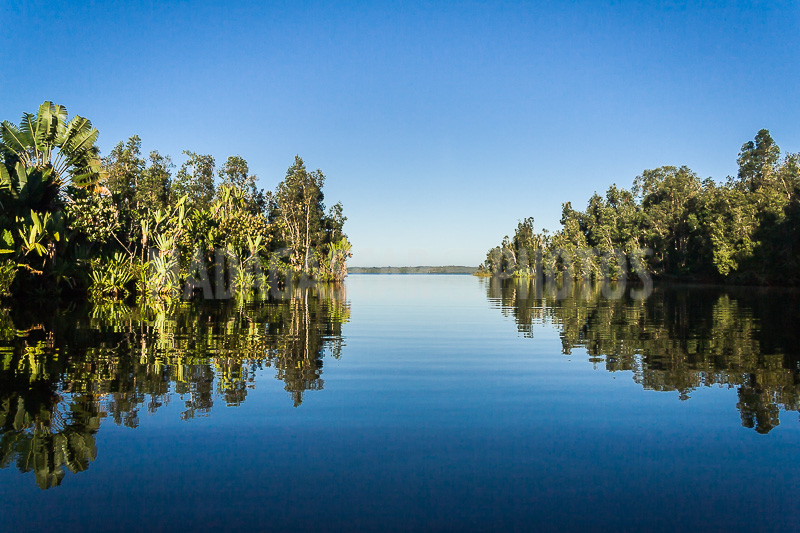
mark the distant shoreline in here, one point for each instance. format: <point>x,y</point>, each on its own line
<point>451,269</point>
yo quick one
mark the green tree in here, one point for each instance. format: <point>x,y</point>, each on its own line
<point>195,179</point>
<point>47,143</point>
<point>670,199</point>
<point>126,167</point>
<point>299,212</point>
<point>43,158</point>
<point>155,185</point>
<point>140,188</point>
<point>758,162</point>
<point>334,223</point>
<point>572,239</point>
<point>235,173</point>
<point>748,226</point>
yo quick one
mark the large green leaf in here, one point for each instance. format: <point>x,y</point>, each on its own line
<point>14,139</point>
<point>5,178</point>
<point>43,124</point>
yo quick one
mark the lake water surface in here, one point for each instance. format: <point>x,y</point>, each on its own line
<point>406,402</point>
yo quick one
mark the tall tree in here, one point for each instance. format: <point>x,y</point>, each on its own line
<point>42,159</point>
<point>195,179</point>
<point>669,199</point>
<point>300,211</point>
<point>758,161</point>
<point>334,223</point>
<point>236,173</point>
<point>154,188</point>
<point>750,212</point>
<point>126,166</point>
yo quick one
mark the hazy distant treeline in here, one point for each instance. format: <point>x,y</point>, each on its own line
<point>450,269</point>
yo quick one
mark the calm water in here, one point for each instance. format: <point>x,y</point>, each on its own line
<point>406,402</point>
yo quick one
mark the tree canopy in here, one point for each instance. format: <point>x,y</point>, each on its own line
<point>72,221</point>
<point>673,224</point>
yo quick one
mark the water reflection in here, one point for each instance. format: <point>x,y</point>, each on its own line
<point>678,339</point>
<point>62,372</point>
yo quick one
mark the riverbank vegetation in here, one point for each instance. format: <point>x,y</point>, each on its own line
<point>672,224</point>
<point>73,221</point>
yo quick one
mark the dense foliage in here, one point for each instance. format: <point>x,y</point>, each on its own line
<point>112,226</point>
<point>673,224</point>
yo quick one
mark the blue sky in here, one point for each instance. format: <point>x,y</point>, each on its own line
<point>438,124</point>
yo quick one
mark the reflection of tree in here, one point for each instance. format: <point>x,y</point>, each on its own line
<point>41,431</point>
<point>60,375</point>
<point>39,445</point>
<point>678,339</point>
<point>304,329</point>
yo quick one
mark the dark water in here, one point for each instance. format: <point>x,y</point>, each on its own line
<point>406,402</point>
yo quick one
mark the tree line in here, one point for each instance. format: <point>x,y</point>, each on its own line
<point>128,222</point>
<point>672,224</point>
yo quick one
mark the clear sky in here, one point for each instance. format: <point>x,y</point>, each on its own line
<point>438,124</point>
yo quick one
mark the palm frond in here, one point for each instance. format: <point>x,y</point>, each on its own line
<point>44,124</point>
<point>80,139</point>
<point>61,123</point>
<point>15,140</point>
<point>60,149</point>
<point>90,176</point>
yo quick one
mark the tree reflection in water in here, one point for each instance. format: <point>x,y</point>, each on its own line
<point>62,372</point>
<point>677,339</point>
